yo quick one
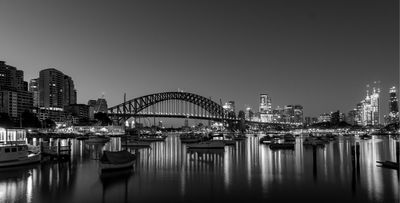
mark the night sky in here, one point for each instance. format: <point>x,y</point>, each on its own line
<point>320,54</point>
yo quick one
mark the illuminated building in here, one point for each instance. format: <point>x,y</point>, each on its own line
<point>393,106</point>
<point>14,95</point>
<point>325,117</point>
<point>370,108</point>
<point>265,103</point>
<point>56,90</point>
<point>34,88</point>
<point>265,108</point>
<point>229,106</point>
<point>298,114</point>
<point>249,113</point>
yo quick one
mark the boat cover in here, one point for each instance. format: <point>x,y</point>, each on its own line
<point>119,157</point>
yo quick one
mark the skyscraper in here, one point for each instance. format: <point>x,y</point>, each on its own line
<point>34,89</point>
<point>369,108</point>
<point>69,91</point>
<point>393,106</point>
<point>265,103</point>
<point>298,114</point>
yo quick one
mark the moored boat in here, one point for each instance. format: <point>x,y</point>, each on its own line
<point>229,142</point>
<point>135,143</point>
<point>14,155</point>
<point>212,144</point>
<point>240,137</point>
<point>266,140</point>
<point>116,160</point>
<point>289,138</point>
<point>281,146</point>
<point>389,164</point>
<point>97,139</point>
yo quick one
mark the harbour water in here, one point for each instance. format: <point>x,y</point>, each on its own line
<point>246,172</point>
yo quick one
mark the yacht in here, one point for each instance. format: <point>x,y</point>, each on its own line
<point>14,155</point>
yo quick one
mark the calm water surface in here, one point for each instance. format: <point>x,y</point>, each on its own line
<point>247,172</point>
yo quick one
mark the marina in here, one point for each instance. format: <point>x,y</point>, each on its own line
<point>247,166</point>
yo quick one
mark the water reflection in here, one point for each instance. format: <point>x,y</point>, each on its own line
<point>344,170</point>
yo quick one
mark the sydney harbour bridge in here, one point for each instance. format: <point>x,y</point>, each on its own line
<point>174,105</point>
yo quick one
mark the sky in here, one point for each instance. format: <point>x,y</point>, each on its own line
<point>319,54</point>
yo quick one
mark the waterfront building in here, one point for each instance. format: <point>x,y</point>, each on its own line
<point>56,90</point>
<point>11,78</point>
<point>14,95</point>
<point>79,110</point>
<point>57,115</point>
<point>393,106</point>
<point>12,136</point>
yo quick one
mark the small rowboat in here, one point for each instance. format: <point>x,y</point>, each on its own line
<point>116,160</point>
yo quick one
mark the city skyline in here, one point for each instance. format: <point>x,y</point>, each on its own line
<point>223,53</point>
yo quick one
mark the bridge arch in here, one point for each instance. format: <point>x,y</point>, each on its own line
<point>135,106</point>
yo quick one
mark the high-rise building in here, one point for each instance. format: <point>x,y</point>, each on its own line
<point>352,117</point>
<point>298,114</point>
<point>265,103</point>
<point>393,106</point>
<point>34,89</point>
<point>265,108</point>
<point>69,91</point>
<point>11,78</point>
<point>370,108</point>
<point>56,90</point>
<point>14,95</point>
<point>229,106</point>
<point>249,113</point>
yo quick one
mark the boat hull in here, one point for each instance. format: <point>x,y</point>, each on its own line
<point>207,145</point>
<point>113,167</point>
<point>31,159</point>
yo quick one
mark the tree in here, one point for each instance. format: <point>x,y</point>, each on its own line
<point>103,118</point>
<point>5,121</point>
<point>242,118</point>
<point>48,123</point>
<point>29,120</point>
<point>251,114</point>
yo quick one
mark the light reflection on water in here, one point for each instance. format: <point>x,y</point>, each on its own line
<point>247,171</point>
